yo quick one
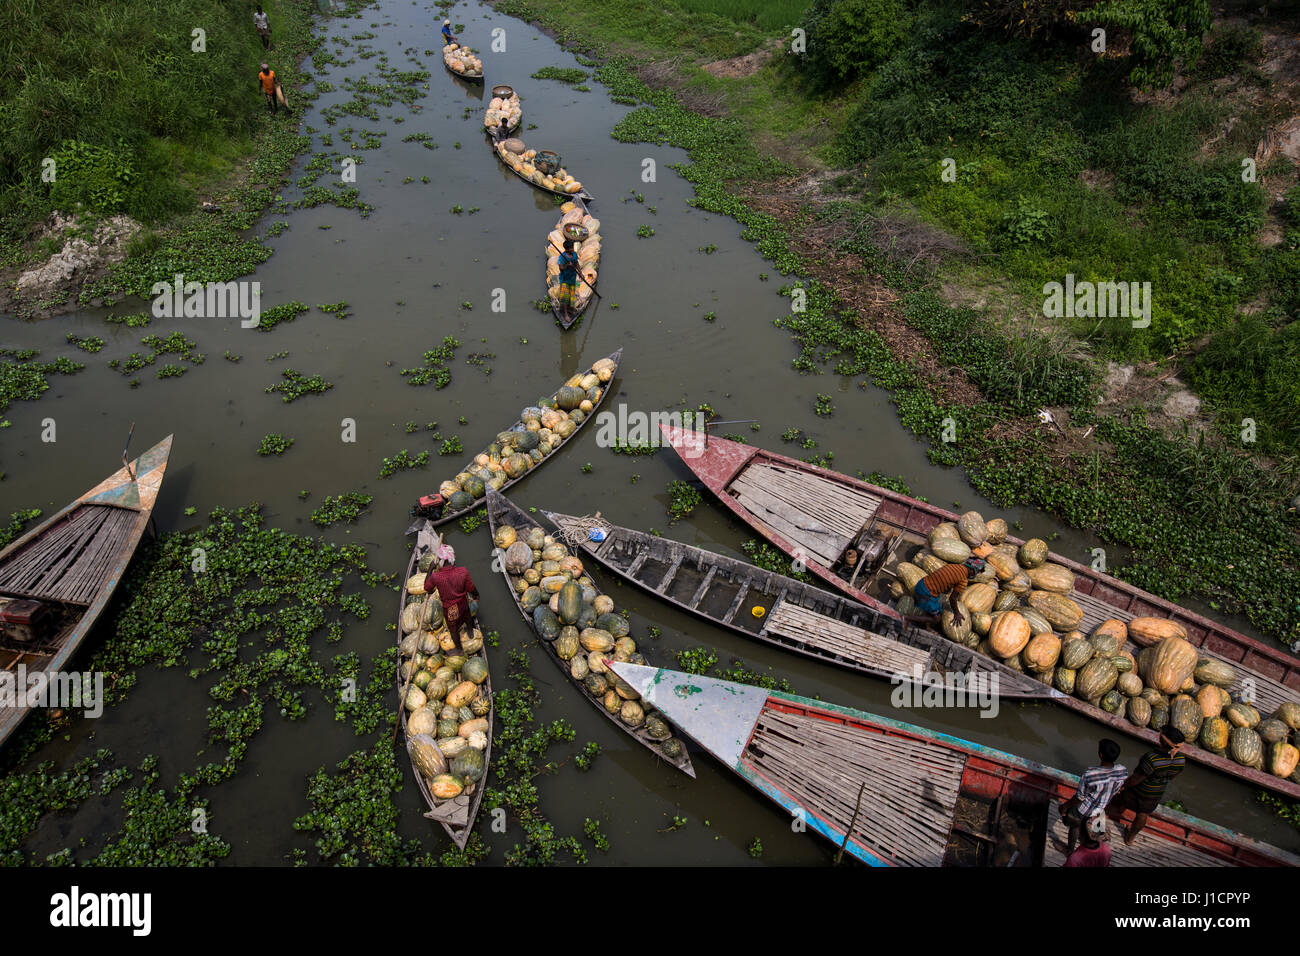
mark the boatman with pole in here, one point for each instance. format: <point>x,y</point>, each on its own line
<point>568,296</point>
<point>951,579</point>
<point>455,589</point>
<point>447,38</point>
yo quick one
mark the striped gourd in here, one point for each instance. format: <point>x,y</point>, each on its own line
<point>1148,631</point>
<point>1052,577</point>
<point>952,550</point>
<point>971,528</point>
<point>1060,611</point>
<point>979,597</point>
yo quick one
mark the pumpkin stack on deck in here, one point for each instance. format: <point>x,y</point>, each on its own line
<point>508,108</point>
<point>1020,613</point>
<point>588,254</point>
<point>582,626</point>
<point>461,59</point>
<point>446,701</point>
<point>541,430</point>
<point>522,163</point>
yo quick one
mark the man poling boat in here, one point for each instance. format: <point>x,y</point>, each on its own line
<point>456,589</point>
<point>446,32</point>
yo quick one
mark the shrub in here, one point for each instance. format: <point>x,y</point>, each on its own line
<point>849,38</point>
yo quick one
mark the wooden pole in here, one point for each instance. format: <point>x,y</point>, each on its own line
<point>852,824</point>
<point>581,278</point>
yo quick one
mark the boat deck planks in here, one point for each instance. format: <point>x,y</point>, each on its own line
<point>1147,850</point>
<point>817,630</point>
<point>916,783</point>
<point>72,562</point>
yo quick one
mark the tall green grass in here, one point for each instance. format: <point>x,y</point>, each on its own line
<point>763,14</point>
<point>116,95</point>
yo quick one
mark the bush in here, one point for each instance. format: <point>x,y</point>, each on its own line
<point>100,178</point>
<point>850,38</point>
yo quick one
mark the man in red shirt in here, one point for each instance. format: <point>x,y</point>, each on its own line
<point>455,588</point>
<point>950,580</point>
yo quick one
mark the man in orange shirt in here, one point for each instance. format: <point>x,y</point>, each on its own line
<point>267,81</point>
<point>951,579</point>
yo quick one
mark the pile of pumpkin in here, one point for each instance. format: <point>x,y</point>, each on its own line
<point>503,107</point>
<point>580,626</point>
<point>588,253</point>
<point>520,159</point>
<point>447,700</point>
<point>461,59</point>
<point>1020,613</point>
<point>541,429</point>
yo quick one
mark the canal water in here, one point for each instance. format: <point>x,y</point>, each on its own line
<point>406,272</point>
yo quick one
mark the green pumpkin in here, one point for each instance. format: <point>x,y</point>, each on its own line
<point>1096,678</point>
<point>475,486</point>
<point>1106,644</point>
<point>1138,712</point>
<point>569,397</point>
<point>570,602</point>
<point>1112,702</point>
<point>1159,716</point>
<point>460,501</point>
<point>532,598</point>
<point>1185,715</point>
<point>475,669</point>
<point>672,748</point>
<point>527,441</point>
<point>469,764</point>
<point>615,624</point>
<point>1214,735</point>
<point>1246,747</point>
<point>448,728</point>
<point>1063,679</point>
<point>546,623</point>
<point>1075,653</point>
<point>566,645</point>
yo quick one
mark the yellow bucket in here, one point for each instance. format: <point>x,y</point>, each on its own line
<point>758,610</point>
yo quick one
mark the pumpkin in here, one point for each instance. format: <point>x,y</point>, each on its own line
<point>1282,759</point>
<point>448,727</point>
<point>995,531</point>
<point>462,693</point>
<point>518,557</point>
<point>1270,731</point>
<point>1211,671</point>
<point>1032,553</point>
<point>415,584</point>
<point>1159,716</point>
<point>1171,665</point>
<point>1246,748</point>
<point>980,622</point>
<point>1009,634</point>
<point>594,639</point>
<point>475,669</point>
<point>423,722</point>
<point>469,764</point>
<point>470,726</point>
<point>1075,653</point>
<point>1138,712</point>
<point>906,605</point>
<point>570,602</point>
<point>1052,577</point>
<point>1042,652</point>
<point>1006,601</point>
<point>944,529</point>
<point>971,529</point>
<point>569,397</point>
<point>1242,715</point>
<point>1014,663</point>
<point>1153,696</point>
<point>631,713</point>
<point>1038,624</point>
<point>952,550</point>
<point>1214,734</point>
<point>1123,662</point>
<point>1020,584</point>
<point>531,598</point>
<point>907,572</point>
<point>546,623</point>
<point>1061,612</point>
<point>1212,700</point>
<point>1289,713</point>
<point>979,597</point>
<point>1112,702</point>
<point>1004,568</point>
<point>481,705</point>
<point>1096,678</point>
<point>615,624</point>
<point>566,645</point>
<point>446,786</point>
<point>415,698</point>
<point>1148,631</point>
<point>1063,679</point>
<point>1130,685</point>
<point>1185,715</point>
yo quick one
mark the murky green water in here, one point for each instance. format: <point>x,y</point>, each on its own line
<point>405,271</point>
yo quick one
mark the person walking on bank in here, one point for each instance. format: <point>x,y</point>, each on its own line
<point>266,80</point>
<point>1146,786</point>
<point>1097,786</point>
<point>263,27</point>
<point>455,589</point>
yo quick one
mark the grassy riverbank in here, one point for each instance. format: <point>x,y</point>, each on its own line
<point>1203,518</point>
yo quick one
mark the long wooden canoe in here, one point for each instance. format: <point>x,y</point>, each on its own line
<point>458,814</point>
<point>814,514</point>
<point>503,511</point>
<point>922,798</point>
<point>580,194</point>
<point>444,513</point>
<point>471,77</point>
<point>552,251</point>
<point>794,616</point>
<point>73,562</point>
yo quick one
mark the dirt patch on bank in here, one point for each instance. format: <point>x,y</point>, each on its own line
<point>739,67</point>
<point>87,253</point>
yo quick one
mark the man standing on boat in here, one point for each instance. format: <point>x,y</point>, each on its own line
<point>455,589</point>
<point>1097,785</point>
<point>501,132</point>
<point>1145,787</point>
<point>951,579</point>
<point>568,296</point>
<point>447,38</point>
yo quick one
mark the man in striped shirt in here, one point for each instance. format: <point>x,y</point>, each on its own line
<point>951,579</point>
<point>1144,789</point>
<point>1097,786</point>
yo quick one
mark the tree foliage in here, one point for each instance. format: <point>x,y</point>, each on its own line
<point>849,38</point>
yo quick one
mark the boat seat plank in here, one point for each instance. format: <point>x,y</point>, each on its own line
<point>817,630</point>
<point>845,506</point>
<point>845,520</point>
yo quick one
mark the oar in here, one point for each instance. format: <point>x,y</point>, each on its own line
<point>401,700</point>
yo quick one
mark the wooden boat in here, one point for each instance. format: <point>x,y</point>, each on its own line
<point>586,292</point>
<point>502,511</point>
<point>458,814</point>
<point>70,565</point>
<point>580,194</point>
<point>491,116</point>
<point>815,514</point>
<point>794,616</point>
<point>434,509</point>
<point>920,798</point>
<point>471,77</point>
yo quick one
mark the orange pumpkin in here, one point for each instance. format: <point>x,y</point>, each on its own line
<point>1009,634</point>
<point>1148,631</point>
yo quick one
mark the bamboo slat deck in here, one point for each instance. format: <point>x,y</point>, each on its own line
<point>71,562</point>
<point>816,630</point>
<point>911,785</point>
